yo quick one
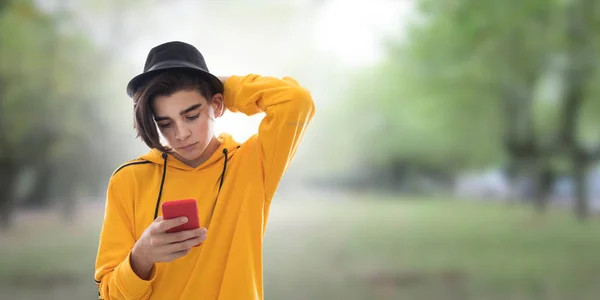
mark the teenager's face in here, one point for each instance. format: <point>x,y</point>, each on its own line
<point>186,120</point>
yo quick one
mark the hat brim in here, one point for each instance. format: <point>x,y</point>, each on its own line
<point>138,81</point>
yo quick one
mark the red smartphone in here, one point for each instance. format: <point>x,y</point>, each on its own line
<point>182,208</point>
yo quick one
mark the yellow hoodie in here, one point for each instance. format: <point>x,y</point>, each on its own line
<point>228,265</point>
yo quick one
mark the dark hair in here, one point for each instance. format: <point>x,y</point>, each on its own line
<point>164,84</point>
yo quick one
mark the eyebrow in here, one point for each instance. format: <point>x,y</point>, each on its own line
<point>181,113</point>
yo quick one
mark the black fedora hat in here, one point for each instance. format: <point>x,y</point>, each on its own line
<point>173,56</point>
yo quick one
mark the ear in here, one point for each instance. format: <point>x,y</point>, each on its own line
<point>218,105</point>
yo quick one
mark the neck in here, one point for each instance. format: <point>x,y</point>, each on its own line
<point>208,152</point>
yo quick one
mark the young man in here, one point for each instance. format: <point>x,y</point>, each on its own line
<point>232,183</point>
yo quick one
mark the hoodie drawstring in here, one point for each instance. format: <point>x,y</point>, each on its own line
<point>225,152</point>
<point>164,173</point>
<point>162,183</point>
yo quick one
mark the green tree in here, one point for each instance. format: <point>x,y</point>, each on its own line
<point>498,76</point>
<point>498,52</point>
<point>50,89</point>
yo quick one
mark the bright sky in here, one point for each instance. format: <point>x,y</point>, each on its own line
<point>347,30</point>
<point>351,30</point>
<point>252,39</point>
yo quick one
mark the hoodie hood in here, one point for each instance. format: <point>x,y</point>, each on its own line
<point>225,151</point>
<point>227,142</point>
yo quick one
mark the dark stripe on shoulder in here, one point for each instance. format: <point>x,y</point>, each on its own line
<point>140,162</point>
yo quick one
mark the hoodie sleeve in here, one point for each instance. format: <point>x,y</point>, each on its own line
<point>289,108</point>
<point>114,276</point>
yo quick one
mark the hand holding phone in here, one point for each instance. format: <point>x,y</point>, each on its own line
<point>158,245</point>
<point>187,208</point>
<point>182,208</point>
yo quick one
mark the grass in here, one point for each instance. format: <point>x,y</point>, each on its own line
<point>364,248</point>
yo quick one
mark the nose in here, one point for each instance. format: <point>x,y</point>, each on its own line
<point>182,132</point>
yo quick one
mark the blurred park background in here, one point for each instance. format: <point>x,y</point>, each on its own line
<point>454,153</point>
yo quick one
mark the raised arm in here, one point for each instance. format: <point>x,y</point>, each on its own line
<point>289,108</point>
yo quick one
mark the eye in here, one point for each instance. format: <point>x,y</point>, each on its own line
<point>164,125</point>
<point>194,117</point>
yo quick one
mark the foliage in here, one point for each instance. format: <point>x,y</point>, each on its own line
<point>477,84</point>
<point>52,87</point>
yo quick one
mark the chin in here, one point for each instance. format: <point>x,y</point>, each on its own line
<point>190,155</point>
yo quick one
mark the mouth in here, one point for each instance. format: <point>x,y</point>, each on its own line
<point>187,147</point>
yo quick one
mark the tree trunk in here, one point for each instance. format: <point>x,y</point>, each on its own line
<point>511,174</point>
<point>544,180</point>
<point>39,195</point>
<point>8,178</point>
<point>581,196</point>
<point>581,55</point>
<point>68,205</point>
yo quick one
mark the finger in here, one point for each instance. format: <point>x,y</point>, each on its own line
<point>165,225</point>
<point>165,238</point>
<point>174,255</point>
<point>185,245</point>
<point>183,235</point>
